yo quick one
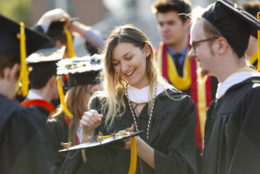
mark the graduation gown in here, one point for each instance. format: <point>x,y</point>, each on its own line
<point>20,134</point>
<point>172,135</point>
<point>232,139</point>
<point>56,131</point>
<point>201,91</point>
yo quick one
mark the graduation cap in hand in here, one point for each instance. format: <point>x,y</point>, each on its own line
<point>102,141</point>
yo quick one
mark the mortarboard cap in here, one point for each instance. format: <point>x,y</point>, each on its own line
<point>10,43</point>
<point>234,24</point>
<point>81,70</point>
<point>56,31</point>
<point>43,64</point>
<point>102,140</point>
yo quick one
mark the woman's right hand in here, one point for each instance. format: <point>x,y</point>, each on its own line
<point>89,122</point>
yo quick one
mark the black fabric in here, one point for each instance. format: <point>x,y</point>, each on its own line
<point>234,24</point>
<point>41,73</point>
<point>84,78</point>
<point>9,42</point>
<point>172,135</point>
<point>20,137</point>
<point>232,139</point>
<point>55,132</point>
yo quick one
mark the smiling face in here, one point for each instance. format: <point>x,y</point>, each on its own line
<point>129,62</point>
<point>203,48</point>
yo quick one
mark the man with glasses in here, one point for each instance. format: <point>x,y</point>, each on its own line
<point>173,61</point>
<point>219,40</point>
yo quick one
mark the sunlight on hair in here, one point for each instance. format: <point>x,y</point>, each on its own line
<point>197,13</point>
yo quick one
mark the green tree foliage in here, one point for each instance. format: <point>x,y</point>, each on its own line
<point>18,10</point>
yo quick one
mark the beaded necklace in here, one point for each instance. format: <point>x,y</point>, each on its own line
<point>150,112</point>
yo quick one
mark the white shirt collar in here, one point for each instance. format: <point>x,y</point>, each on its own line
<point>233,80</point>
<point>142,95</point>
<point>33,95</point>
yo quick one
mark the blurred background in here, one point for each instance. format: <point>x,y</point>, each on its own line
<point>103,15</point>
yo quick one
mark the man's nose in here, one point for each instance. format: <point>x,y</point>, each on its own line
<point>191,52</point>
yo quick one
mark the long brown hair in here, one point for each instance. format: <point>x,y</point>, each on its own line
<point>114,85</point>
<point>74,100</point>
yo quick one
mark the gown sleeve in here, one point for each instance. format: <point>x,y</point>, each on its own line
<point>179,156</point>
<point>246,155</point>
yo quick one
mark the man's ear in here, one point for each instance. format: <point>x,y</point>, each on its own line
<point>13,72</point>
<point>222,45</point>
<point>187,24</point>
<point>52,81</point>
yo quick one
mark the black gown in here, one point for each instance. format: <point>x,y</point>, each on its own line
<point>232,132</point>
<point>172,135</point>
<point>56,131</point>
<point>20,134</point>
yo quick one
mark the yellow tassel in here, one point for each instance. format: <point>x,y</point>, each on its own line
<point>133,160</point>
<point>258,36</point>
<point>62,101</point>
<point>23,82</point>
<point>69,43</point>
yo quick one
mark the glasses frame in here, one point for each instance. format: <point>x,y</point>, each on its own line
<point>194,44</point>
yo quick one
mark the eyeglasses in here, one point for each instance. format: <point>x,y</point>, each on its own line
<point>195,44</point>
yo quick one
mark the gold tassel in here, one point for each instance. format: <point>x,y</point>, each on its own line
<point>258,36</point>
<point>133,160</point>
<point>62,101</point>
<point>69,43</point>
<point>23,82</point>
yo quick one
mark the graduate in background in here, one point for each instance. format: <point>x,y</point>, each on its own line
<point>20,149</point>
<point>63,125</point>
<point>219,39</point>
<point>175,65</point>
<point>137,97</point>
<point>251,51</point>
<point>52,23</point>
<point>43,79</point>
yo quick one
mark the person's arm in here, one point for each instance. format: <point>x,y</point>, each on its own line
<point>145,152</point>
<point>52,16</point>
<point>88,33</point>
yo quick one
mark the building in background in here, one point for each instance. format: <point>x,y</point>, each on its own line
<point>103,15</point>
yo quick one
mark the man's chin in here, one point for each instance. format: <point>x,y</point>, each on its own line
<point>203,73</point>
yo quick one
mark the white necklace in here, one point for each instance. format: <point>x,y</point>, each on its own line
<point>150,113</point>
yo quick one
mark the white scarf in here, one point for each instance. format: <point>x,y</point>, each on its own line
<point>142,95</point>
<point>233,80</point>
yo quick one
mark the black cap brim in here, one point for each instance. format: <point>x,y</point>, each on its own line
<point>10,44</point>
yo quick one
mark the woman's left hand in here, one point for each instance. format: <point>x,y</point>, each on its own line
<point>128,140</point>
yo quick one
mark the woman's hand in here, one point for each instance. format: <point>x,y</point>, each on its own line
<point>128,140</point>
<point>89,122</point>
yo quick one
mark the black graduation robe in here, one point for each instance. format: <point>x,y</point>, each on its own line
<point>55,132</point>
<point>232,132</point>
<point>20,150</point>
<point>172,135</point>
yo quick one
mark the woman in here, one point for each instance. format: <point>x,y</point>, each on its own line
<point>136,94</point>
<point>83,81</point>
